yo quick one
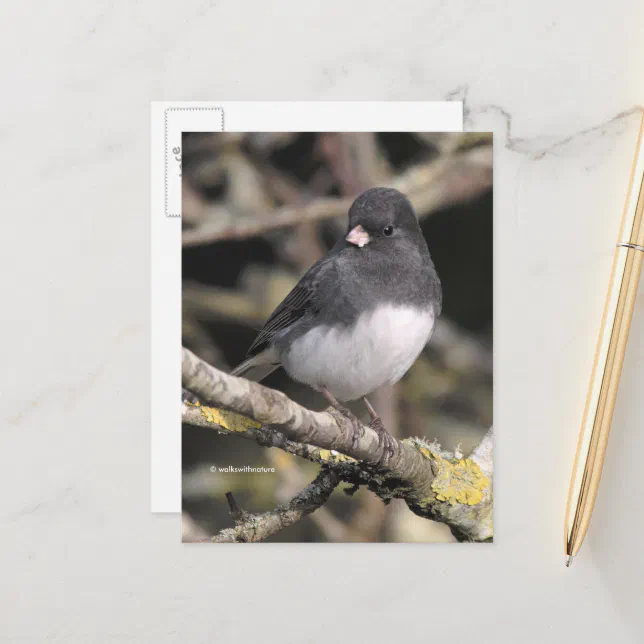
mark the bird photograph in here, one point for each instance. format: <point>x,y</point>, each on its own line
<point>337,330</point>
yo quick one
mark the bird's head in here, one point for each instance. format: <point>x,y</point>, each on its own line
<point>382,216</point>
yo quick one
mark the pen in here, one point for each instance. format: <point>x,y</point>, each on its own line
<point>609,357</point>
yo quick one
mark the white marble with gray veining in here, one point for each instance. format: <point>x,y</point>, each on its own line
<point>82,558</point>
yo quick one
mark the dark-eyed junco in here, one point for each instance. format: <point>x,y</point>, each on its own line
<point>359,317</point>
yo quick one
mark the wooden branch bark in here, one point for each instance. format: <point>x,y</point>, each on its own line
<point>257,527</point>
<point>434,484</point>
<point>226,422</point>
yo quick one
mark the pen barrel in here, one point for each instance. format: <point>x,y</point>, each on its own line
<point>609,357</point>
<point>600,403</point>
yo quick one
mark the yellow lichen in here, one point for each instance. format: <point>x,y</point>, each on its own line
<point>332,456</point>
<point>457,480</point>
<point>229,420</point>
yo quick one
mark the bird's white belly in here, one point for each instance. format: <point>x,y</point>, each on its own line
<point>352,362</point>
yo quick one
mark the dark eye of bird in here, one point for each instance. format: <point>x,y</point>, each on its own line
<point>388,231</point>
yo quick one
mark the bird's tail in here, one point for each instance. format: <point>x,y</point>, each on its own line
<point>257,367</point>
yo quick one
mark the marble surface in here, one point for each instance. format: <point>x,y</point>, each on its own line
<point>83,559</point>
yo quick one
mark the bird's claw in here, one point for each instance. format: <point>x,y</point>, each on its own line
<point>385,440</point>
<point>357,428</point>
<point>358,432</point>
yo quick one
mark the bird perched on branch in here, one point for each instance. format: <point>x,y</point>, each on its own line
<point>359,317</point>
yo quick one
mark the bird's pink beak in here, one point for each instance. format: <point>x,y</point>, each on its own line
<point>358,236</point>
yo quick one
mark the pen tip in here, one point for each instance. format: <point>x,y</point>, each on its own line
<point>569,561</point>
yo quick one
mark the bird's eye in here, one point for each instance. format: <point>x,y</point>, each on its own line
<point>388,231</point>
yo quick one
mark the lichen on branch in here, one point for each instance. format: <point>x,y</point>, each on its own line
<point>434,484</point>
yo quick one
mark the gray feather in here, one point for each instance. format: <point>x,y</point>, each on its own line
<point>259,366</point>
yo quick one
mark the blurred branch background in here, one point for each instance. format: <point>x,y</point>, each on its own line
<point>258,210</point>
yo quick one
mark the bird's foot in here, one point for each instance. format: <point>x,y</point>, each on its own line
<point>356,425</point>
<point>385,440</point>
<point>357,428</point>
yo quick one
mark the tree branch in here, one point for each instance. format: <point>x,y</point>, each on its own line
<point>257,527</point>
<point>447,180</point>
<point>226,422</point>
<point>433,483</point>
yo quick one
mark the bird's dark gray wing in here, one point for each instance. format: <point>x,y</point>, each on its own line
<point>300,301</point>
